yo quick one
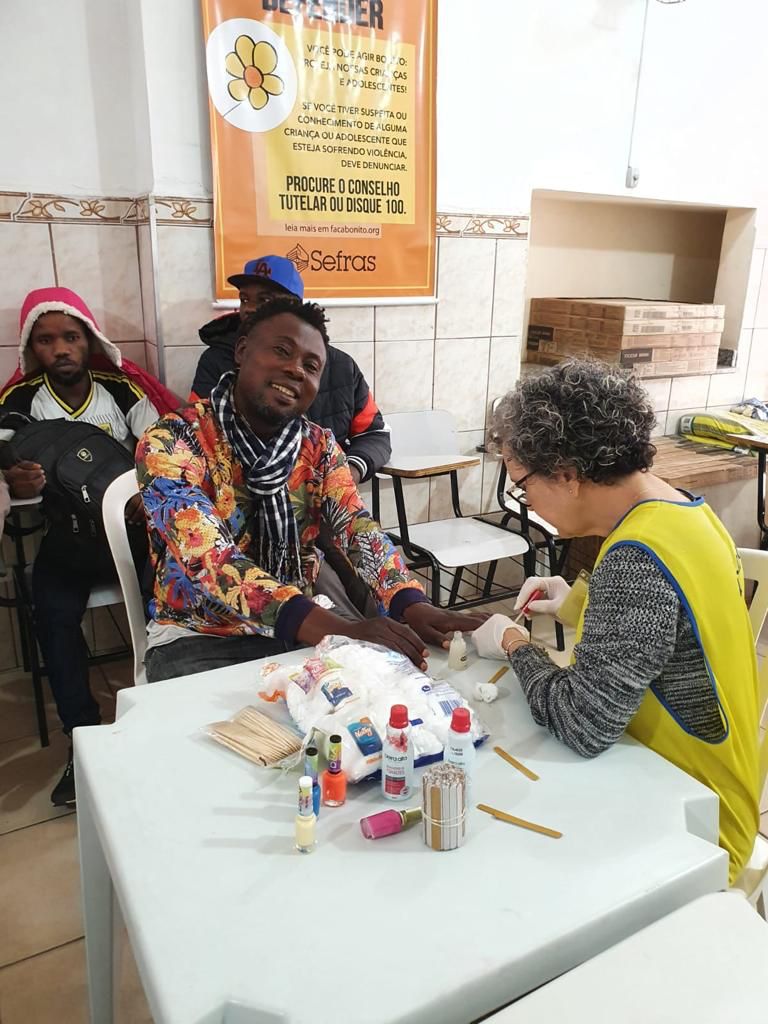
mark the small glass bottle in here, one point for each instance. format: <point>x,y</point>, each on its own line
<point>334,778</point>
<point>457,653</point>
<point>311,756</point>
<point>460,750</point>
<point>397,756</point>
<point>305,819</point>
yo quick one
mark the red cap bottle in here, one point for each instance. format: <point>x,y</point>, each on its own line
<point>398,716</point>
<point>460,720</point>
<point>397,756</point>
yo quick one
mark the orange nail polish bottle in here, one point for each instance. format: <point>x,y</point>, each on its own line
<point>334,781</point>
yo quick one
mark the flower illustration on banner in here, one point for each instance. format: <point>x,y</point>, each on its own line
<point>252,77</point>
<point>251,65</point>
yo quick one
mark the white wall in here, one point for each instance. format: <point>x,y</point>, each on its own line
<point>700,133</point>
<point>178,96</point>
<point>70,98</point>
<point>534,94</point>
<point>531,94</point>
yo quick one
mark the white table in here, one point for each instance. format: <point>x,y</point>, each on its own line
<point>705,963</point>
<point>228,924</point>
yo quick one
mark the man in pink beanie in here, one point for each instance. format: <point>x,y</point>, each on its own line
<point>70,370</point>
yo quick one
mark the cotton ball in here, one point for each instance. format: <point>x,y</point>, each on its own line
<point>487,692</point>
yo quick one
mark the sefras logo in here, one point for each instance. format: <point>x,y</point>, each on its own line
<point>299,257</point>
<point>338,262</point>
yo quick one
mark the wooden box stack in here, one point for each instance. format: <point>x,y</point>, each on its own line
<point>655,338</point>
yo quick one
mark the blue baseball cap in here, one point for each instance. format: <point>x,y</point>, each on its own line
<point>276,270</point>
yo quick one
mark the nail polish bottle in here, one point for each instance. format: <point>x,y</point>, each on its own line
<point>334,779</point>
<point>389,823</point>
<point>311,769</point>
<point>305,819</point>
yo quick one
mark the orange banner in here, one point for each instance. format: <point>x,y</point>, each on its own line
<point>323,140</point>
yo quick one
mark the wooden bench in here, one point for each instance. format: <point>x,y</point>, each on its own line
<point>696,467</point>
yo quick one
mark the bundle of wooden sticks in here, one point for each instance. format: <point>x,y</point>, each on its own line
<point>255,736</point>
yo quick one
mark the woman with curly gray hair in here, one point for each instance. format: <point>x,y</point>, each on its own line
<point>664,648</point>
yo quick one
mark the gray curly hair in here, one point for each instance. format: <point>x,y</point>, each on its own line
<point>581,414</point>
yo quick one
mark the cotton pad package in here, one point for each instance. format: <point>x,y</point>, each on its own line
<point>348,687</point>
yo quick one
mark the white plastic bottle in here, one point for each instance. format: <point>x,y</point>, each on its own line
<point>397,756</point>
<point>457,653</point>
<point>460,750</point>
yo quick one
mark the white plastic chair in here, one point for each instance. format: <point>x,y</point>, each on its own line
<point>116,497</point>
<point>447,544</point>
<point>705,962</point>
<point>753,879</point>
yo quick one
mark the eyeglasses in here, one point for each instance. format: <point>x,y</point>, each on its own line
<point>518,492</point>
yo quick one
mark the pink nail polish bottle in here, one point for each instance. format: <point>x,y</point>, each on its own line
<point>389,823</point>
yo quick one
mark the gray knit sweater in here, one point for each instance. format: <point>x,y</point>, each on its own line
<point>636,634</point>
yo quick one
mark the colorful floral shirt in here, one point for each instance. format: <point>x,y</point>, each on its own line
<point>201,518</point>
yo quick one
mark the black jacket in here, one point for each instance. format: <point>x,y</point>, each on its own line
<point>344,403</point>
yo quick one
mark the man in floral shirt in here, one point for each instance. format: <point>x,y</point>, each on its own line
<point>240,491</point>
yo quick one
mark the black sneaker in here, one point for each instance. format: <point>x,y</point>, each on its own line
<point>63,794</point>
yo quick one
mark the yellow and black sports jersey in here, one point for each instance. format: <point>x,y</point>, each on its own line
<point>114,402</point>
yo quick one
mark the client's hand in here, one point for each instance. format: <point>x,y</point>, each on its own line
<point>391,634</point>
<point>437,626</point>
<point>496,635</point>
<point>554,589</point>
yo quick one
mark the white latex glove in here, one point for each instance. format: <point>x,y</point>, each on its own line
<point>488,638</point>
<point>554,588</point>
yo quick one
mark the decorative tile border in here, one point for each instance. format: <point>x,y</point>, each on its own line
<point>43,207</point>
<point>481,225</point>
<point>183,211</point>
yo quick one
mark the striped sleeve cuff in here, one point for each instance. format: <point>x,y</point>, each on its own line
<point>360,465</point>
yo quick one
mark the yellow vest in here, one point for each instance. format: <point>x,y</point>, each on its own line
<point>692,548</point>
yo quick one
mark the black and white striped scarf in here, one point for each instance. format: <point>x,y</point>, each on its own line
<point>267,466</point>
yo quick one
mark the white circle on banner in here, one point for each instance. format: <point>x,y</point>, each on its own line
<point>251,75</point>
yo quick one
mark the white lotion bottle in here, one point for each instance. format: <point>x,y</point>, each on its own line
<point>457,653</point>
<point>460,750</point>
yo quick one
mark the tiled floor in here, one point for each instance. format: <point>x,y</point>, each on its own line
<point>42,958</point>
<point>42,955</point>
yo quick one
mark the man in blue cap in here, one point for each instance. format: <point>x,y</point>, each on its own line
<point>344,402</point>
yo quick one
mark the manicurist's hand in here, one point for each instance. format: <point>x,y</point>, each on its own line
<point>497,636</point>
<point>25,479</point>
<point>437,626</point>
<point>554,591</point>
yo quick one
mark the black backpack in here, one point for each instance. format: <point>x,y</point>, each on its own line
<point>80,461</point>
